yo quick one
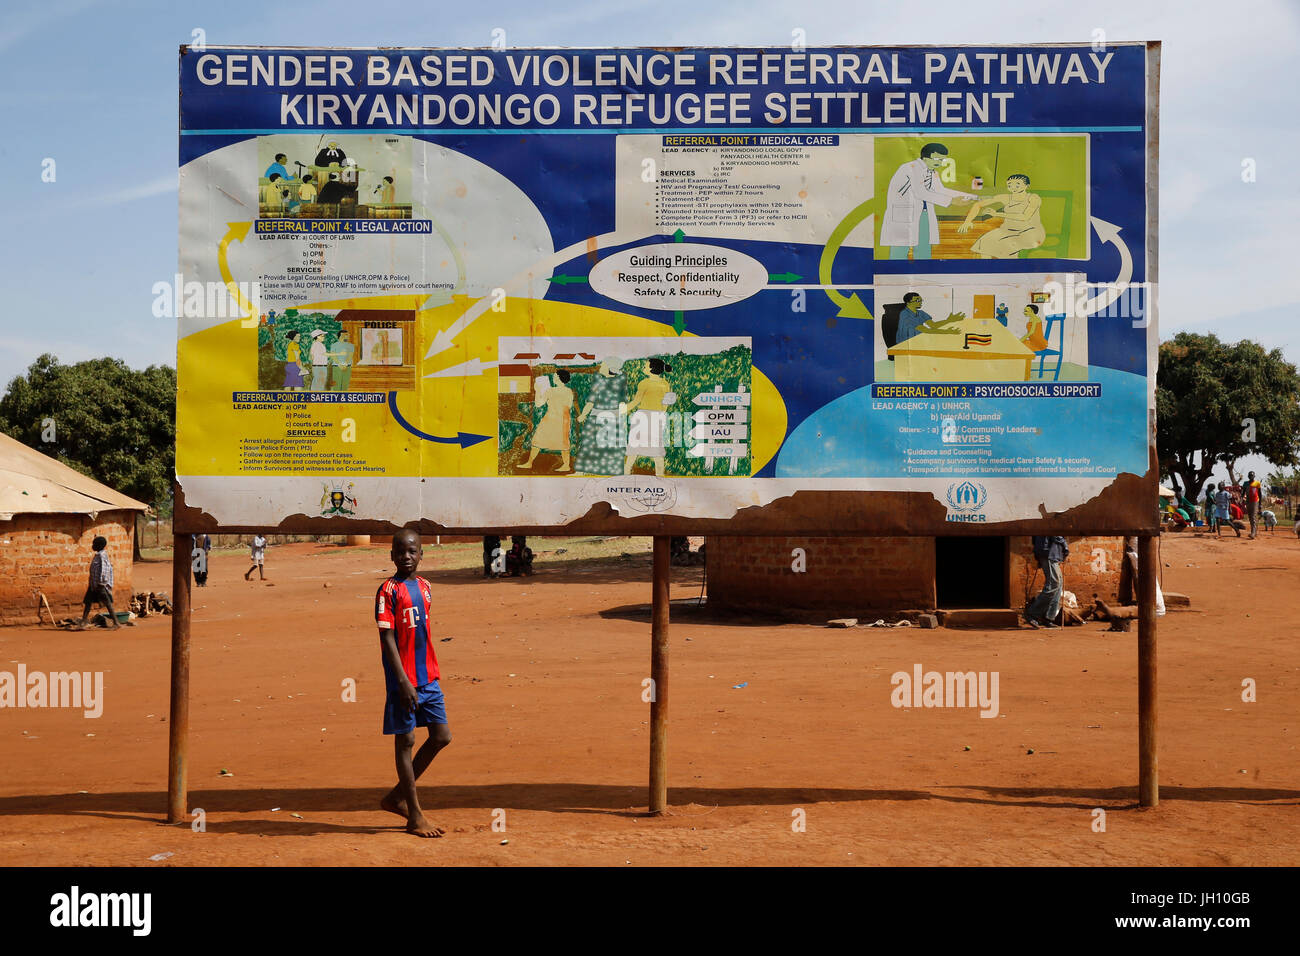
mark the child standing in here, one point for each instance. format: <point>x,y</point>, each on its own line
<point>411,677</point>
<point>1222,502</point>
<point>201,542</point>
<point>100,588</point>
<point>258,553</point>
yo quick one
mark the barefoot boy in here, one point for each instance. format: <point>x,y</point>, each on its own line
<point>411,676</point>
<point>257,554</point>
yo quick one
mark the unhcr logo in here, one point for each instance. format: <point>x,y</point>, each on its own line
<point>966,498</point>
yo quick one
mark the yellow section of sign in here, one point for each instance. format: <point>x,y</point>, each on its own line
<point>355,431</point>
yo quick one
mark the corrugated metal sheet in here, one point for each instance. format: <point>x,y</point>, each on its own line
<point>33,483</point>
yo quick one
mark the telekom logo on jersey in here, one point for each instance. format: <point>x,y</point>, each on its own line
<point>412,613</point>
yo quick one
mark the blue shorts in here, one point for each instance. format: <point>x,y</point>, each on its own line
<point>1221,514</point>
<point>429,709</point>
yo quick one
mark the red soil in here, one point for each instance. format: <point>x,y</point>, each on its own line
<point>543,685</point>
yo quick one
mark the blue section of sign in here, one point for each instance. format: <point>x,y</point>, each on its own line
<point>859,435</point>
<point>876,90</point>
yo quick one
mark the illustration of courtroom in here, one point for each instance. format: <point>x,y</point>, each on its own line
<point>334,185</point>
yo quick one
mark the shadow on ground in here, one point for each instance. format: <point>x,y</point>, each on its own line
<point>150,806</point>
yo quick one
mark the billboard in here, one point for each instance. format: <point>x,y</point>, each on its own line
<point>862,290</point>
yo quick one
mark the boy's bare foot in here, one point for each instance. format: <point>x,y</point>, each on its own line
<point>421,827</point>
<point>394,804</point>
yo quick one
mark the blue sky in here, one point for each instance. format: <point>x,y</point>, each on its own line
<point>92,85</point>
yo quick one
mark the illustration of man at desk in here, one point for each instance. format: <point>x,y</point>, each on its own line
<point>956,349</point>
<point>913,319</point>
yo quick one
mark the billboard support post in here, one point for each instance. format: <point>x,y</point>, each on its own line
<point>659,676</point>
<point>1148,761</point>
<point>179,719</point>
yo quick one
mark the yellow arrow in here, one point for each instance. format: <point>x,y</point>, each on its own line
<point>851,307</point>
<point>237,232</point>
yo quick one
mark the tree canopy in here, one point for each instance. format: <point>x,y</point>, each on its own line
<point>1217,402</point>
<point>101,417</point>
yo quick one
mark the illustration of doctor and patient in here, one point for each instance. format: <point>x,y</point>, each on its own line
<point>911,225</point>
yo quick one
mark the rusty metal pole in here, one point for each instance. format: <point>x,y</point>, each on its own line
<point>178,732</point>
<point>659,676</point>
<point>1148,758</point>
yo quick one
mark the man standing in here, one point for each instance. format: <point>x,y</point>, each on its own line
<point>1211,511</point>
<point>914,190</point>
<point>1042,611</point>
<point>200,542</point>
<point>319,360</point>
<point>1251,493</point>
<point>278,168</point>
<point>341,358</point>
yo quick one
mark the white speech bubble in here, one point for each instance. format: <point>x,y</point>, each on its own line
<point>678,276</point>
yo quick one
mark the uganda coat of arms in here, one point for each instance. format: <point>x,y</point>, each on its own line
<point>338,499</point>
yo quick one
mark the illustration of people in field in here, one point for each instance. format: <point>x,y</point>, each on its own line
<point>554,432</point>
<point>587,413</point>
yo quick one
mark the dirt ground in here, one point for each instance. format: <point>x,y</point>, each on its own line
<point>543,686</point>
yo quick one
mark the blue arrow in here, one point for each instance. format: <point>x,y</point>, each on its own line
<point>464,439</point>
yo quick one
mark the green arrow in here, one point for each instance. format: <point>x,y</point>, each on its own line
<point>851,307</point>
<point>783,277</point>
<point>678,236</point>
<point>567,280</point>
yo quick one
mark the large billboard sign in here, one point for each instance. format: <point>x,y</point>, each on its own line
<point>861,290</point>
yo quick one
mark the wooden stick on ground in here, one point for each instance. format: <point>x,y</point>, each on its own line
<point>41,595</point>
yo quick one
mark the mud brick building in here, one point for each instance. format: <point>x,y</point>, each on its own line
<point>853,576</point>
<point>49,515</point>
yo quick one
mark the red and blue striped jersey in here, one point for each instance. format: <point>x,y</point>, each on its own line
<point>403,607</point>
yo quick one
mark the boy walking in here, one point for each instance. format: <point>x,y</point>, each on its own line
<point>258,553</point>
<point>100,588</point>
<point>411,677</point>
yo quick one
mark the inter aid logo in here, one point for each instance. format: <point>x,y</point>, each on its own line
<point>965,499</point>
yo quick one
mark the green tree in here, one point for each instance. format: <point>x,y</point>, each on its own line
<point>1217,402</point>
<point>1285,485</point>
<point>101,417</point>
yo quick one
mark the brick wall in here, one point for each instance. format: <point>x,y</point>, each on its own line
<point>51,553</point>
<point>1084,572</point>
<point>849,576</point>
<point>843,575</point>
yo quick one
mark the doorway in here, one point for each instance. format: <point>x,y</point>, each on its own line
<point>970,572</point>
